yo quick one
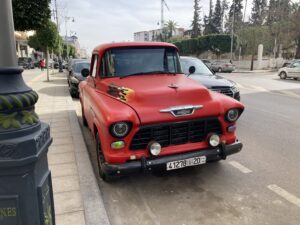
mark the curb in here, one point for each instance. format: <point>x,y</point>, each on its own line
<point>94,210</point>
<point>255,71</point>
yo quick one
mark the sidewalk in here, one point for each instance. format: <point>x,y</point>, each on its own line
<point>77,197</point>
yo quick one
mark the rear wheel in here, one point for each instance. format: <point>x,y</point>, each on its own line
<point>282,75</point>
<point>101,160</point>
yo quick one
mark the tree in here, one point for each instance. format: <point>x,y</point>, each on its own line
<point>295,25</point>
<point>171,27</point>
<point>30,15</point>
<point>258,13</point>
<point>196,26</point>
<point>217,17</point>
<point>251,36</point>
<point>208,21</point>
<point>224,8</point>
<point>235,16</point>
<point>46,39</point>
<point>278,15</point>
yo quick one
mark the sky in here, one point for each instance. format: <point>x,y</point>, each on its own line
<point>104,21</point>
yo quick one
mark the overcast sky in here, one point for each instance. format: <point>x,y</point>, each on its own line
<point>102,21</point>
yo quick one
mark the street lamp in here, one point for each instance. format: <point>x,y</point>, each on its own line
<point>26,195</point>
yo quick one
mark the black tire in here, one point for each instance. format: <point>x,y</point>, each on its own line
<point>282,75</point>
<point>84,121</point>
<point>220,70</point>
<point>101,160</point>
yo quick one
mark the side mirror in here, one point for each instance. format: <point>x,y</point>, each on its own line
<point>192,70</point>
<point>85,72</point>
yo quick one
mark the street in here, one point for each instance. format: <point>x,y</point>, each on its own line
<point>259,185</point>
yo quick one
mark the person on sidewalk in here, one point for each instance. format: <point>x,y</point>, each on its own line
<point>42,64</point>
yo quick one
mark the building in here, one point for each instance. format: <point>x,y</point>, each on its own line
<point>73,40</point>
<point>154,35</point>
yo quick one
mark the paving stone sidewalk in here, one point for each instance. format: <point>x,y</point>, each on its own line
<point>77,197</point>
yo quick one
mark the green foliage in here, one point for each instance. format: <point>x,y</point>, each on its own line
<point>30,15</point>
<point>72,51</point>
<point>46,37</point>
<point>9,121</point>
<point>251,36</point>
<point>259,12</point>
<point>217,43</point>
<point>235,15</point>
<point>170,28</point>
<point>196,26</point>
<point>217,17</point>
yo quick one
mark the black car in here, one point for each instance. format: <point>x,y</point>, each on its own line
<point>206,77</point>
<point>26,62</point>
<point>75,76</point>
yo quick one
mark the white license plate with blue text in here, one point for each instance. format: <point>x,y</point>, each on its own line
<point>186,162</point>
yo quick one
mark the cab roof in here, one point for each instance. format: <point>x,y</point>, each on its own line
<point>104,47</point>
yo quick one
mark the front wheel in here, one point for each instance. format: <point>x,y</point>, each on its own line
<point>220,70</point>
<point>101,160</point>
<point>282,75</point>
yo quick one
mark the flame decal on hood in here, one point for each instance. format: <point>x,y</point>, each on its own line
<point>122,93</point>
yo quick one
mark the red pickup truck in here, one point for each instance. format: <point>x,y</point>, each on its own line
<point>146,115</point>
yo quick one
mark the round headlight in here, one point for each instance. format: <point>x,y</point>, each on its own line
<point>120,129</point>
<point>154,148</point>
<point>232,115</point>
<point>214,140</point>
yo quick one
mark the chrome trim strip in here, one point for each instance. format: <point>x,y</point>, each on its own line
<point>183,107</point>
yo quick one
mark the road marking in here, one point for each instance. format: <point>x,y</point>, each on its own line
<point>290,93</point>
<point>240,167</point>
<point>284,194</point>
<point>35,79</point>
<point>258,88</point>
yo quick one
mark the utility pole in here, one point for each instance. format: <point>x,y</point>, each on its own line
<point>232,28</point>
<point>60,67</point>
<point>25,179</point>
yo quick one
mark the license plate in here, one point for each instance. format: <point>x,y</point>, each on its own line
<point>186,162</point>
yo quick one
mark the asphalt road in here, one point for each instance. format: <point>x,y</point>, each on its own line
<point>260,185</point>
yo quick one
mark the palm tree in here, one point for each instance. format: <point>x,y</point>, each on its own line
<point>171,27</point>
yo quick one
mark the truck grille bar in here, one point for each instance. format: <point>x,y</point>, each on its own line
<point>175,133</point>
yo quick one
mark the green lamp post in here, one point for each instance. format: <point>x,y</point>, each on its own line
<point>26,196</point>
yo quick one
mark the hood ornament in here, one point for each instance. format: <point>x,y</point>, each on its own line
<point>173,86</point>
<point>185,110</point>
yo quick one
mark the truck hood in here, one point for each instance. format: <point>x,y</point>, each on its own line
<point>152,96</point>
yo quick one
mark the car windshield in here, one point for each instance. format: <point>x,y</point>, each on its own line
<point>139,61</point>
<point>200,67</point>
<point>81,66</point>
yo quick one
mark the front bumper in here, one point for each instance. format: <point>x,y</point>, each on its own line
<point>159,163</point>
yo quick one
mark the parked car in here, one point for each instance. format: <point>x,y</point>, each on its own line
<point>26,62</point>
<point>206,77</point>
<point>146,115</point>
<point>285,64</point>
<point>75,77</point>
<point>222,66</point>
<point>290,71</point>
<point>70,64</point>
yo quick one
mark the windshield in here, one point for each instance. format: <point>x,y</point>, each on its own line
<point>138,61</point>
<point>201,68</point>
<point>81,66</point>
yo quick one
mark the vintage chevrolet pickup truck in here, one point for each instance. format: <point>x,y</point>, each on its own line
<point>146,115</point>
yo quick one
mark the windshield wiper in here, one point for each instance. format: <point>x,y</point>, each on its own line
<point>145,73</point>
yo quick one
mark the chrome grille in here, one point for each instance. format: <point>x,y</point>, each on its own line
<point>175,133</point>
<point>224,90</point>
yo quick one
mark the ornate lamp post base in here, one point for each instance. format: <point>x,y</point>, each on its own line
<point>26,195</point>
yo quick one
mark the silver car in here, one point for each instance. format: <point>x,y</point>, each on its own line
<point>222,66</point>
<point>290,71</point>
